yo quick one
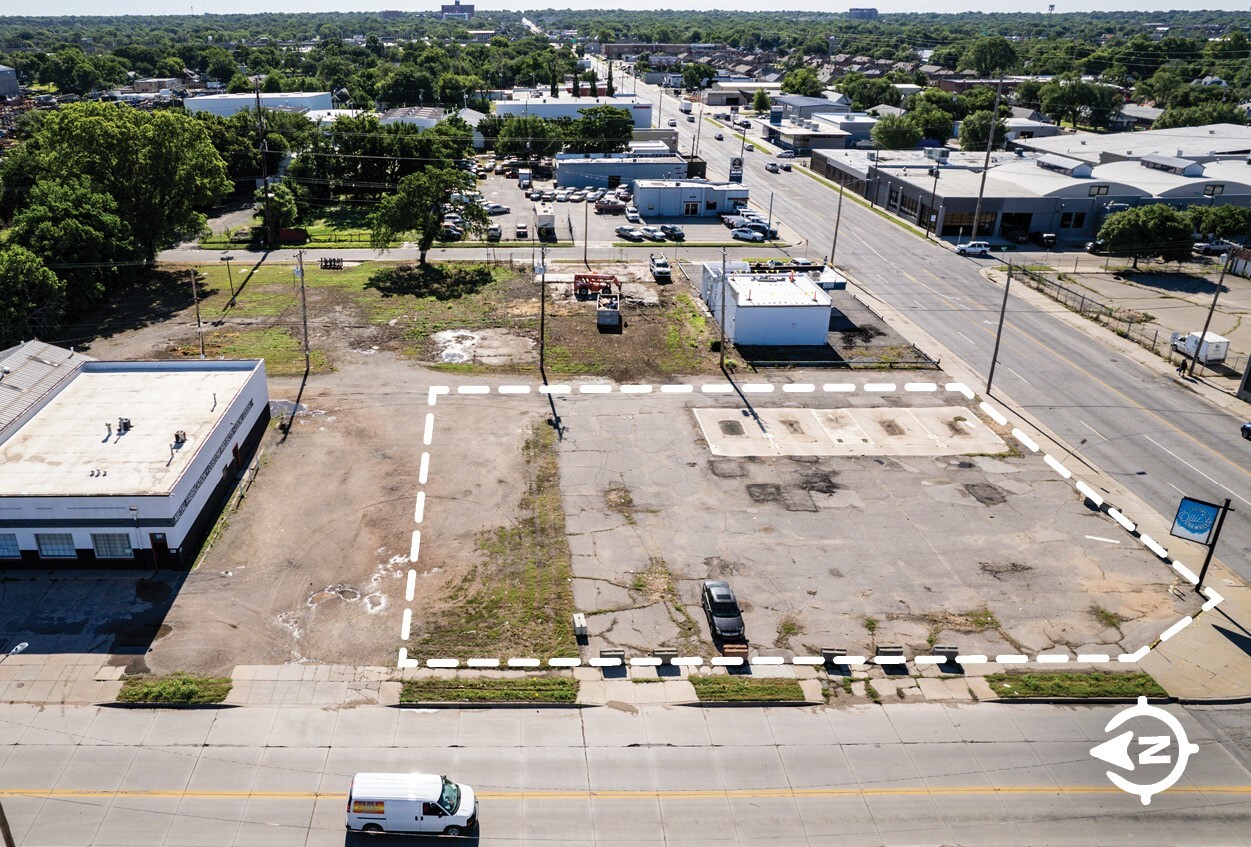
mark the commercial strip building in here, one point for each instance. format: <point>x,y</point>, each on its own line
<point>225,105</point>
<point>687,197</point>
<point>119,464</point>
<point>644,160</point>
<point>767,309</point>
<point>820,131</point>
<point>550,108</point>
<point>1049,192</point>
<point>738,92</point>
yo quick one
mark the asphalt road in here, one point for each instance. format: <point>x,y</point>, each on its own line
<point>906,774</point>
<point>1154,436</point>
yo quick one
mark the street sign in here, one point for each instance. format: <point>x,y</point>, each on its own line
<point>539,270</point>
<point>736,164</point>
<point>1195,520</point>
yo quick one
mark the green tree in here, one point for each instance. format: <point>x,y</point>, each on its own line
<point>802,81</point>
<point>990,56</point>
<point>602,129</point>
<point>695,74</point>
<point>407,86</point>
<point>760,101</point>
<point>416,206</point>
<point>975,129</point>
<point>159,167</point>
<point>609,87</point>
<point>77,229</point>
<point>1220,221</point>
<point>896,132</point>
<point>1149,231</point>
<point>1208,113</point>
<point>284,211</point>
<point>528,136</point>
<point>934,123</point>
<point>31,296</point>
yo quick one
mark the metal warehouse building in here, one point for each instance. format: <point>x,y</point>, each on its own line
<point>119,464</point>
<point>773,309</point>
<point>609,171</point>
<point>687,197</point>
<point>225,105</point>
<point>551,109</point>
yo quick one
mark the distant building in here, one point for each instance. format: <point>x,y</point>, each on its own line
<point>862,14</point>
<point>423,117</point>
<point>119,464</point>
<point>8,82</point>
<point>153,85</point>
<point>609,171</point>
<point>456,12</point>
<point>225,105</point>
<point>473,117</point>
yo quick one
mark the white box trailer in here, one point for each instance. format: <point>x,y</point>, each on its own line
<point>1213,349</point>
<point>410,803</point>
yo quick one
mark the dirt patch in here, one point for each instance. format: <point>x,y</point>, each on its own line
<point>619,500</point>
<point>726,468</point>
<point>483,346</point>
<point>986,493</point>
<point>821,482</point>
<point>999,570</point>
<point>764,492</point>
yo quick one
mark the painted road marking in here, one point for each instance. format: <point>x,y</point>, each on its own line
<point>1196,470</point>
<point>1104,540</point>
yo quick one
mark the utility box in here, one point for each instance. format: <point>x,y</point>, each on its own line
<point>1212,350</point>
<point>608,312</point>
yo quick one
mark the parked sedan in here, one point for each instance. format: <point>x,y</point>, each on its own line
<point>1209,248</point>
<point>562,196</point>
<point>536,194</point>
<point>725,618</point>
<point>786,154</point>
<point>653,233</point>
<point>497,209</point>
<point>577,197</point>
<point>549,196</point>
<point>629,233</point>
<point>673,232</point>
<point>744,234</point>
<point>632,214</point>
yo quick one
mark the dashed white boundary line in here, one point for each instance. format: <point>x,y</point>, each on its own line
<point>1082,487</point>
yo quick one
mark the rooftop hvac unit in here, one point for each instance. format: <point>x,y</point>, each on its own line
<point>939,154</point>
<point>123,424</point>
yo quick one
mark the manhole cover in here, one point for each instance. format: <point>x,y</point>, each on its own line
<point>985,493</point>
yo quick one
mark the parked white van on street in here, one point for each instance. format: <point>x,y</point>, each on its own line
<point>410,802</point>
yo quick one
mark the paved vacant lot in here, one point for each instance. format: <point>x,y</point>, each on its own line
<point>989,552</point>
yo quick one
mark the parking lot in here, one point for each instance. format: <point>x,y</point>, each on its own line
<point>574,220</point>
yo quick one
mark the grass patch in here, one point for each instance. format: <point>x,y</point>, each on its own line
<point>1107,617</point>
<point>657,585</point>
<point>517,597</point>
<point>619,500</point>
<point>529,689</point>
<point>981,619</point>
<point>1074,685</point>
<point>871,692</point>
<point>729,689</point>
<point>686,337</point>
<point>788,627</point>
<point>174,688</point>
<point>870,624</point>
<point>282,351</point>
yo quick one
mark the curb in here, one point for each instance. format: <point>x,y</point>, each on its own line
<point>114,704</point>
<point>1214,701</point>
<point>750,704</point>
<point>490,704</point>
<point>1080,701</point>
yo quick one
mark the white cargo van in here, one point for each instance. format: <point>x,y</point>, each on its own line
<point>410,802</point>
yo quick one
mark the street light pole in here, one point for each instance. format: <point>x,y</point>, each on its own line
<point>542,309</point>
<point>1194,357</point>
<point>990,142</point>
<point>724,283</point>
<point>933,217</point>
<point>230,277</point>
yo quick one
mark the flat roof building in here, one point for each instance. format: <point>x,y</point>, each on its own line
<point>550,108</point>
<point>225,105</point>
<point>119,464</point>
<point>8,82</point>
<point>422,117</point>
<point>609,171</point>
<point>1197,143</point>
<point>661,198</point>
<point>767,309</point>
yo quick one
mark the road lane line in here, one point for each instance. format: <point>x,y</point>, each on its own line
<point>966,338</point>
<point>1196,470</point>
<point>1091,428</point>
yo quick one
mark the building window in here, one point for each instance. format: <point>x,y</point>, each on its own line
<point>710,205</point>
<point>893,199</point>
<point>908,205</point>
<point>1066,220</point>
<point>1213,190</point>
<point>55,545</point>
<point>1098,191</point>
<point>8,546</point>
<point>112,545</point>
<point>1079,220</point>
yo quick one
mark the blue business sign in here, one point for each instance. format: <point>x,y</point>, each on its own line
<point>1195,520</point>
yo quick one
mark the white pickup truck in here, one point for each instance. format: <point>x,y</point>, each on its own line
<point>659,267</point>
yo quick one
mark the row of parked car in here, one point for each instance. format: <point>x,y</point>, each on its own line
<point>652,233</point>
<point>749,225</point>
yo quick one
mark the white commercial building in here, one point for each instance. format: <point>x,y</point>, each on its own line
<point>550,108</point>
<point>225,105</point>
<point>609,171</point>
<point>119,464</point>
<point>8,82</point>
<point>767,309</point>
<point>672,198</point>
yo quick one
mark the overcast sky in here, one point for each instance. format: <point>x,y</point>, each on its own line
<point>151,7</point>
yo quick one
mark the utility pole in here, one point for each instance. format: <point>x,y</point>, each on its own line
<point>769,225</point>
<point>838,217</point>
<point>1003,310</point>
<point>542,310</point>
<point>1216,534</point>
<point>1194,357</point>
<point>199,327</point>
<point>724,283</point>
<point>230,277</point>
<point>990,143</point>
<point>263,146</point>
<point>699,128</point>
<point>5,832</point>
<point>303,311</point>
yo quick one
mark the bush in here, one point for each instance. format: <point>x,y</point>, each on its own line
<point>529,689</point>
<point>175,688</point>
<point>737,688</point>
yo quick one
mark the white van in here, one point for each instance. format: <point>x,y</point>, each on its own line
<point>410,802</point>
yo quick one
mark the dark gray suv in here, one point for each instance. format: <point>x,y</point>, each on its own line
<point>725,619</point>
